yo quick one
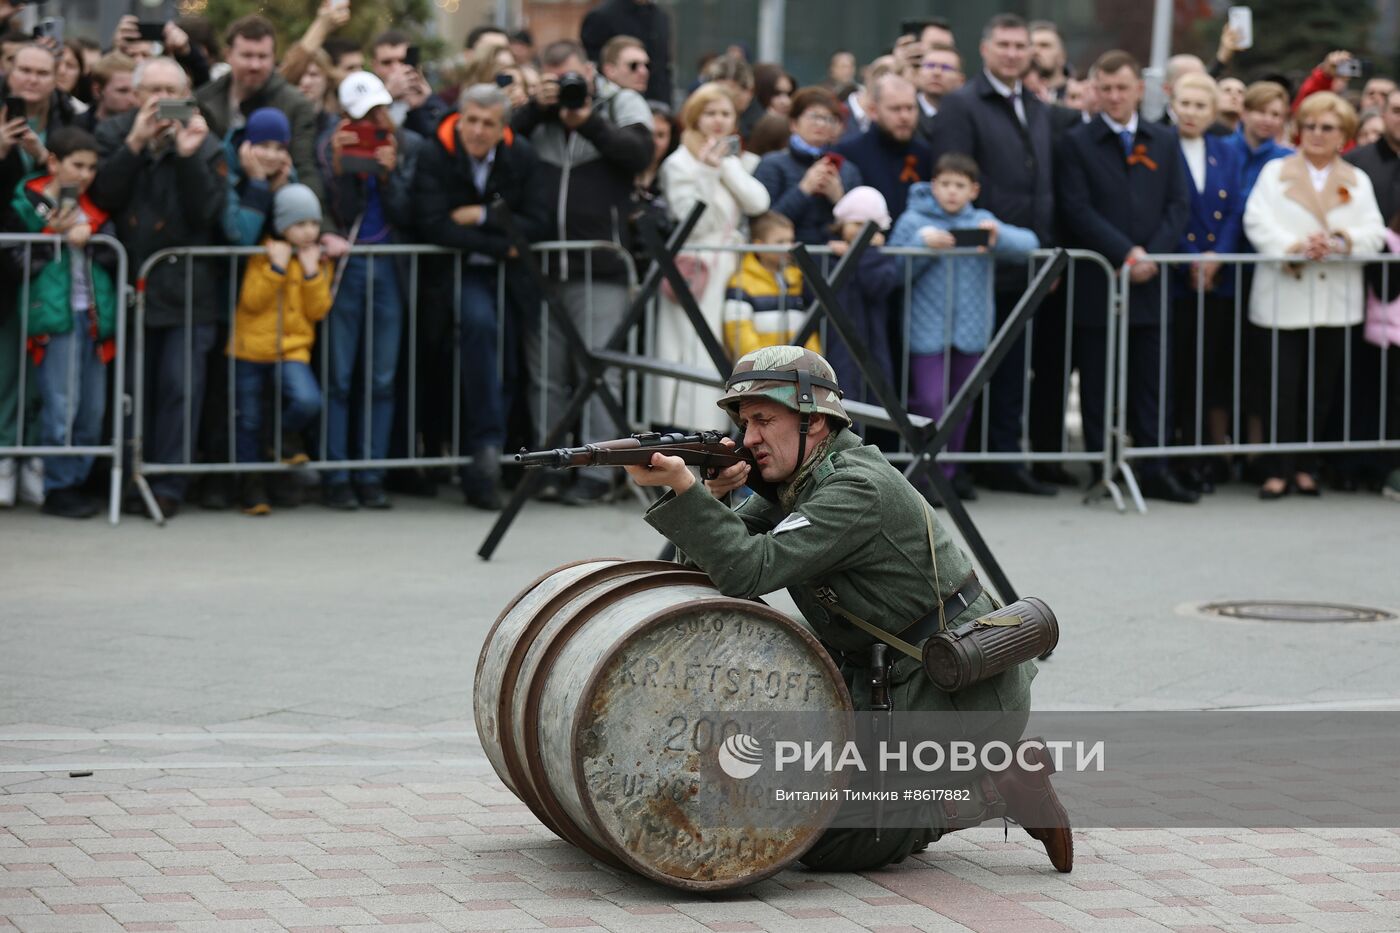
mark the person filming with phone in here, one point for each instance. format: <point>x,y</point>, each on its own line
<point>34,106</point>
<point>708,166</point>
<point>161,177</point>
<point>593,138</point>
<point>806,179</point>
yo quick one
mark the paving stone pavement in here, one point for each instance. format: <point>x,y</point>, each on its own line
<point>273,722</point>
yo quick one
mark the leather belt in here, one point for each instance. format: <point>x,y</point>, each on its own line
<point>954,606</point>
<point>957,603</point>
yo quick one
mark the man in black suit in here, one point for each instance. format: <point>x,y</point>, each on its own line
<point>1121,190</point>
<point>1007,130</point>
<point>473,161</point>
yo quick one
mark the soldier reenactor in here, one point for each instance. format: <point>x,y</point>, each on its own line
<point>864,559</point>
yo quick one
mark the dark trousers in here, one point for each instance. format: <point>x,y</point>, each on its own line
<point>1283,358</point>
<point>1145,403</point>
<point>1203,363</point>
<point>1006,403</point>
<point>1050,367</point>
<point>174,395</point>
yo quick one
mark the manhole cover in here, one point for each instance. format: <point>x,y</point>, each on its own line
<point>1270,610</point>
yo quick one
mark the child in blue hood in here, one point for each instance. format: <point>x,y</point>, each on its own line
<point>950,322</point>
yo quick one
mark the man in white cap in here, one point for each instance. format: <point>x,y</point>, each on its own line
<point>368,166</point>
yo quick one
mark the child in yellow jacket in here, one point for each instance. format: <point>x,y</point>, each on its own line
<point>764,303</point>
<point>285,292</point>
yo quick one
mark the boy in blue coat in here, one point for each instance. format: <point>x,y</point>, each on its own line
<point>951,308</point>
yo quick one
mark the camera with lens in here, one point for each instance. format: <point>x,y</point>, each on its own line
<point>573,91</point>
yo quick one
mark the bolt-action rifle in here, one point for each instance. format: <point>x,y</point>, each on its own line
<point>702,450</point>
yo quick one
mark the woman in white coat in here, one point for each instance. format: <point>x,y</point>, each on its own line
<point>706,167</point>
<point>1311,205</point>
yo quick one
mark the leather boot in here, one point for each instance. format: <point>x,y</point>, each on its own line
<point>1031,803</point>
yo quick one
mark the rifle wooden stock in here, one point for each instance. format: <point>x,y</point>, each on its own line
<point>702,450</point>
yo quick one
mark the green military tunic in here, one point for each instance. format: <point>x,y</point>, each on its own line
<point>865,538</point>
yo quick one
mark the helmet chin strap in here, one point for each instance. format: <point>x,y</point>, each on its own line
<point>802,427</point>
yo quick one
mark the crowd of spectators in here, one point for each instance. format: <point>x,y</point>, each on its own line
<point>308,150</point>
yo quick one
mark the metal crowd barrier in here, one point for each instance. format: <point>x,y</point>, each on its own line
<point>116,400</point>
<point>1067,450</point>
<point>1252,428</point>
<point>141,467</point>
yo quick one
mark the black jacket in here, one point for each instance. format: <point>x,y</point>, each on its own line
<point>1015,160</point>
<point>1109,206</point>
<point>347,195</point>
<point>160,201</point>
<point>589,174</point>
<point>645,21</point>
<point>443,183</point>
<point>1382,165</point>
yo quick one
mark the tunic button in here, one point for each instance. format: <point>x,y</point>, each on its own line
<point>1218,215</point>
<point>1211,237</point>
<point>1191,237</point>
<point>1223,194</point>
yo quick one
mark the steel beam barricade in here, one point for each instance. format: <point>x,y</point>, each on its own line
<point>1082,262</point>
<point>115,404</point>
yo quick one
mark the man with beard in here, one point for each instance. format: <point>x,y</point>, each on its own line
<point>890,155</point>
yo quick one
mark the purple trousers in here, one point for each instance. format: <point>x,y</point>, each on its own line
<point>928,395</point>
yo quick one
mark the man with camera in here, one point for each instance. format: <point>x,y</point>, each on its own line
<point>161,177</point>
<point>252,83</point>
<point>592,138</point>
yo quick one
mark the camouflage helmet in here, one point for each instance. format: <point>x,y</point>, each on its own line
<point>796,377</point>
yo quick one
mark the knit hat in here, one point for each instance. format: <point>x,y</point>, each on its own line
<point>862,204</point>
<point>292,205</point>
<point>361,92</point>
<point>268,125</point>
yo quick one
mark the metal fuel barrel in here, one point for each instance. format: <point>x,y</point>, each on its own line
<point>603,695</point>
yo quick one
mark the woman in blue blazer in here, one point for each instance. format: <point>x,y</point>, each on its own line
<point>1203,311</point>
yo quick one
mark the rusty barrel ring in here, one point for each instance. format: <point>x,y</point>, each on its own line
<point>750,608</point>
<point>515,601</point>
<point>545,800</point>
<point>528,781</point>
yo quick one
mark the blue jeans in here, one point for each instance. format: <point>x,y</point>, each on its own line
<point>347,328</point>
<point>483,404</point>
<point>73,385</point>
<point>301,401</point>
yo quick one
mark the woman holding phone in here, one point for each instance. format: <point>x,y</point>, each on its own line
<point>805,180</point>
<point>708,167</point>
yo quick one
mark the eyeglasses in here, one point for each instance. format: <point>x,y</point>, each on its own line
<point>638,65</point>
<point>1320,128</point>
<point>821,119</point>
<point>939,66</point>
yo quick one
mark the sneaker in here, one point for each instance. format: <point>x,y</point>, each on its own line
<point>254,495</point>
<point>69,502</point>
<point>31,481</point>
<point>371,496</point>
<point>339,496</point>
<point>9,482</point>
<point>1391,489</point>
